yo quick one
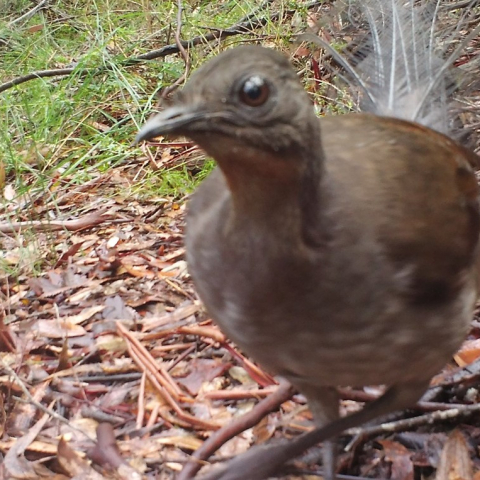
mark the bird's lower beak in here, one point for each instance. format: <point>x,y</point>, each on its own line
<point>175,120</point>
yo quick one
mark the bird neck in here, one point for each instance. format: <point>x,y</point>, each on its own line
<point>276,191</point>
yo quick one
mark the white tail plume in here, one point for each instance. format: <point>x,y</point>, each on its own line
<point>405,72</point>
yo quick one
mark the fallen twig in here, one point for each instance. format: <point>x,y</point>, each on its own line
<point>29,14</point>
<point>410,423</point>
<point>87,221</point>
<point>161,380</point>
<point>35,75</point>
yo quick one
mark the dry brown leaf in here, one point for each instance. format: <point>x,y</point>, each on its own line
<point>200,371</point>
<point>468,353</point>
<point>179,314</point>
<point>36,28</point>
<point>264,430</point>
<point>400,458</point>
<point>58,328</point>
<point>455,462</point>
<point>74,464</point>
<point>16,465</point>
<point>116,309</point>
<point>240,375</point>
<point>141,271</point>
<point>237,445</point>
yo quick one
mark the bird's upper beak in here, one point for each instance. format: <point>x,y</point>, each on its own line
<point>176,119</point>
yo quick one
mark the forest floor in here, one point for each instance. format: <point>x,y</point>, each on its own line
<point>109,365</point>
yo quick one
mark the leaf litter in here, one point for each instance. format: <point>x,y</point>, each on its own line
<point>111,368</point>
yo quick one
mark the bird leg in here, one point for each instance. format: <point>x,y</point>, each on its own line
<point>263,461</point>
<point>324,402</point>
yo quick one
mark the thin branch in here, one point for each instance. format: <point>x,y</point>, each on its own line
<point>410,423</point>
<point>28,14</point>
<point>161,380</point>
<point>35,75</point>
<point>90,220</point>
<point>183,52</point>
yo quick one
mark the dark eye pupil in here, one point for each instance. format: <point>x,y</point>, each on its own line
<point>253,88</point>
<point>254,91</point>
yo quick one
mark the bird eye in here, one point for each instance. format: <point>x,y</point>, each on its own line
<point>254,91</point>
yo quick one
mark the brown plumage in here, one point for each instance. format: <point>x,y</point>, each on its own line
<point>334,251</point>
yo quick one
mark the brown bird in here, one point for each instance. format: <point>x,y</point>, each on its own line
<point>334,251</point>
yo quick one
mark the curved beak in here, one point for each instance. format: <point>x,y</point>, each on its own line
<point>175,119</point>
